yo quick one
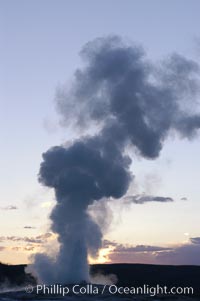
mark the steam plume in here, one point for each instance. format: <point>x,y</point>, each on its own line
<point>130,103</point>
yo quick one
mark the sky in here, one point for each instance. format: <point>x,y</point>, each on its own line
<point>39,51</point>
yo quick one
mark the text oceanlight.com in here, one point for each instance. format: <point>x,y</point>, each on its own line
<point>91,289</point>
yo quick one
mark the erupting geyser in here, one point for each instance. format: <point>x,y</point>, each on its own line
<point>130,103</point>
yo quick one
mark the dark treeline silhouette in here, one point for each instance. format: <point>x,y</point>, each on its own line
<point>127,275</point>
<point>14,275</point>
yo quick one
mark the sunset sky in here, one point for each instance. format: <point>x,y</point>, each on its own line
<point>39,52</point>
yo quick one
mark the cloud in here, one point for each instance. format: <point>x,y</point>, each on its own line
<point>44,236</point>
<point>107,243</point>
<point>10,207</point>
<point>139,248</point>
<point>24,239</point>
<point>141,199</point>
<point>195,240</point>
<point>120,248</point>
<point>38,239</point>
<point>25,244</point>
<point>28,248</point>
<point>185,254</point>
<point>184,199</point>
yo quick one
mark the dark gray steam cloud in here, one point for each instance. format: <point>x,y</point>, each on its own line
<point>130,103</point>
<point>133,101</point>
